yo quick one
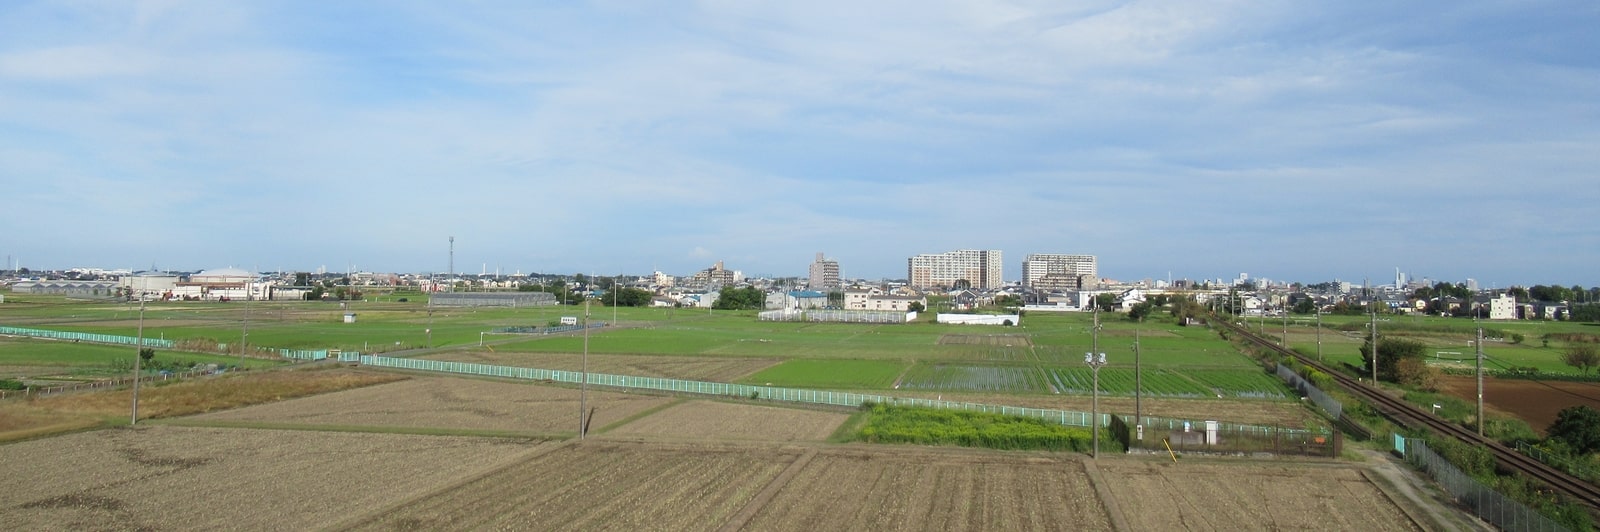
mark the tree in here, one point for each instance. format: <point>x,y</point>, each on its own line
<point>302,279</point>
<point>962,284</point>
<point>1520,293</point>
<point>1305,306</point>
<point>629,297</point>
<point>1105,302</point>
<point>146,353</point>
<point>1578,427</point>
<point>1139,310</point>
<point>1581,356</point>
<point>748,298</point>
<point>916,306</point>
<point>1390,352</point>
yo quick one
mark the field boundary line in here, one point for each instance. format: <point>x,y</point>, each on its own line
<point>364,429</point>
<point>642,414</point>
<point>1107,502</point>
<point>742,519</point>
<point>378,513</point>
<point>1408,505</point>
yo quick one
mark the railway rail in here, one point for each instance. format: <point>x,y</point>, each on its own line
<point>1411,416</point>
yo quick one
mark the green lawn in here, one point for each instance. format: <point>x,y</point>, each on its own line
<point>36,352</point>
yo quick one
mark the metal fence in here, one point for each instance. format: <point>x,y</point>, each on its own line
<point>85,337</point>
<point>1479,499</point>
<point>1573,468</point>
<point>838,316</point>
<point>1330,405</point>
<point>1224,438</point>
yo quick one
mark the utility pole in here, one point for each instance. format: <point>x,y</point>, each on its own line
<point>138,356</point>
<point>583,386</point>
<point>244,331</point>
<point>1138,387</point>
<point>1373,312</point>
<point>1319,333</point>
<point>1480,377</point>
<point>452,264</point>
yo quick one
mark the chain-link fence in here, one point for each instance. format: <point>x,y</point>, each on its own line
<point>1330,405</point>
<point>1479,499</point>
<point>1573,468</point>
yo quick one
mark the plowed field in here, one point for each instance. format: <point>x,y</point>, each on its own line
<point>450,403</point>
<point>905,488</point>
<point>598,485</point>
<point>162,477</point>
<point>1201,496</point>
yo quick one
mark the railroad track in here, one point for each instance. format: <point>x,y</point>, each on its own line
<point>1410,416</point>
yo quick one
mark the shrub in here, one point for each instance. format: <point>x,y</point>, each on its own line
<point>9,384</point>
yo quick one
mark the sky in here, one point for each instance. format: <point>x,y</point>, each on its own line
<point>1303,141</point>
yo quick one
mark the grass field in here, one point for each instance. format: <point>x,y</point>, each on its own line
<point>86,358</point>
<point>830,374</point>
<point>1449,341</point>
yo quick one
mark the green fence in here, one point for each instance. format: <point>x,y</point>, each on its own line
<point>793,395</point>
<point>85,337</point>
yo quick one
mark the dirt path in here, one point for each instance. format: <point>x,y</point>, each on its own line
<point>1420,500</point>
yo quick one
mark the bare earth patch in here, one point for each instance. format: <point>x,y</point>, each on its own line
<point>716,369</point>
<point>713,420</point>
<point>908,488</point>
<point>450,403</point>
<point>1160,495</point>
<point>163,477</point>
<point>1536,402</point>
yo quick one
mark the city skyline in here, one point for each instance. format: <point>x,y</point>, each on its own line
<point>1297,142</point>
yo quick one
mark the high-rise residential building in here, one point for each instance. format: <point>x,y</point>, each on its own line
<point>980,268</point>
<point>824,275</point>
<point>1046,271</point>
<point>713,277</point>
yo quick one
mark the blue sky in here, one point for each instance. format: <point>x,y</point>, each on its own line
<point>1292,140</point>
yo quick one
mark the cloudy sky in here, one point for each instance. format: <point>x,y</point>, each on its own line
<point>1292,140</point>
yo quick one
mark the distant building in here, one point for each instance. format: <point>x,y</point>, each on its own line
<point>824,275</point>
<point>874,298</point>
<point>1045,271</point>
<point>716,275</point>
<point>980,268</point>
<point>1503,307</point>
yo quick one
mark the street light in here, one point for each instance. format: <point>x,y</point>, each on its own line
<point>1094,424</point>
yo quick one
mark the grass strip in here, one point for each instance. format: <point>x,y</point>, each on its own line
<point>641,414</point>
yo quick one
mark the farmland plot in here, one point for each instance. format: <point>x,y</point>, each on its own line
<point>944,377</point>
<point>1198,496</point>
<point>715,368</point>
<point>1161,382</point>
<point>449,403</point>
<point>925,489</point>
<point>164,477</point>
<point>602,485</point>
<point>713,420</point>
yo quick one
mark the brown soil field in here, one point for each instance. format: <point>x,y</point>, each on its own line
<point>1282,413</point>
<point>602,485</point>
<point>1536,402</point>
<point>996,340</point>
<point>1158,495</point>
<point>450,403</point>
<point>716,369</point>
<point>714,420</point>
<point>162,477</point>
<point>909,488</point>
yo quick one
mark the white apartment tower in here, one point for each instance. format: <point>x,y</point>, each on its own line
<point>1048,271</point>
<point>824,275</point>
<point>981,268</point>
